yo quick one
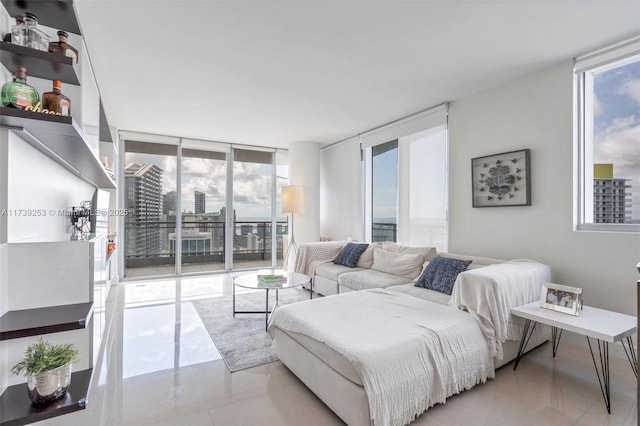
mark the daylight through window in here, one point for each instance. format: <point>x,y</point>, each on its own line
<point>609,139</point>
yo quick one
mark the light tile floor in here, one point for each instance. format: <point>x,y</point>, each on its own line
<point>159,367</point>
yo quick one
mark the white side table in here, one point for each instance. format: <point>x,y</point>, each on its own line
<point>604,326</point>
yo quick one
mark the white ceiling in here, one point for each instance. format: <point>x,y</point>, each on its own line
<point>275,72</point>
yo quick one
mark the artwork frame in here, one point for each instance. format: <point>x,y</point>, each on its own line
<point>501,180</point>
<point>561,298</point>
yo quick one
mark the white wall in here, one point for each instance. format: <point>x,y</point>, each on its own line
<point>341,210</point>
<point>35,182</point>
<point>535,112</point>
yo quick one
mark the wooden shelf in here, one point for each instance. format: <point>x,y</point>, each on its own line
<point>40,64</point>
<point>61,139</point>
<point>16,408</point>
<point>37,321</point>
<point>57,14</point>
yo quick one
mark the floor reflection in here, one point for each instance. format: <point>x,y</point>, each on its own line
<point>162,337</point>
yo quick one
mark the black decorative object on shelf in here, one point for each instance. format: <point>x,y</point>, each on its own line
<point>501,180</point>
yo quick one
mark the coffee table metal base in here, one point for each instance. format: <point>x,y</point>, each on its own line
<point>266,311</point>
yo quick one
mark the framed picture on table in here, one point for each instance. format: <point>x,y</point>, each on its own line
<point>561,298</point>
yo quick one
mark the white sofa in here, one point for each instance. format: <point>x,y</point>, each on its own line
<point>376,268</point>
<point>305,333</point>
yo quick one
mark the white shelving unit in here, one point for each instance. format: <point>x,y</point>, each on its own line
<point>51,286</point>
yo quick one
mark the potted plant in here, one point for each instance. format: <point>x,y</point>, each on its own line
<point>48,370</point>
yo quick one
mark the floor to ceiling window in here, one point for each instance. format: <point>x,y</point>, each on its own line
<point>405,181</point>
<point>191,182</point>
<point>384,192</point>
<point>203,206</point>
<point>149,199</point>
<point>253,193</point>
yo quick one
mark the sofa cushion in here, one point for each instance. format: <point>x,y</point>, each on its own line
<point>331,271</point>
<point>366,258</point>
<point>369,278</point>
<point>427,253</point>
<point>441,273</point>
<point>350,254</point>
<point>403,264</point>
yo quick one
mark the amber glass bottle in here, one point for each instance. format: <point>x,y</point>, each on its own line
<point>55,101</point>
<point>61,47</point>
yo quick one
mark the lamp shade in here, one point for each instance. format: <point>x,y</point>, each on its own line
<point>292,199</point>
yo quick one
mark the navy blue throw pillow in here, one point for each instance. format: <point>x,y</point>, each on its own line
<point>441,273</point>
<point>350,254</point>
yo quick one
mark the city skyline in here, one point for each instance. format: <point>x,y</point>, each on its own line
<point>251,186</point>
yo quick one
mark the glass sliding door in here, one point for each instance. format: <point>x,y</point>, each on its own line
<point>150,185</point>
<point>203,206</point>
<point>384,192</point>
<point>253,194</point>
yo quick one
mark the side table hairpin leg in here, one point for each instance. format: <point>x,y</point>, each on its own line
<point>603,372</point>
<point>527,331</point>
<point>631,354</point>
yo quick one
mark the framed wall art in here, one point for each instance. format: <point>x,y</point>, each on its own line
<point>501,180</point>
<point>561,298</point>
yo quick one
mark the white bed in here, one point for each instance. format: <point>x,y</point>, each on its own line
<point>385,356</point>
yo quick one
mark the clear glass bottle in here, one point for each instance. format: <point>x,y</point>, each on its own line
<point>55,101</point>
<point>17,93</point>
<point>18,34</point>
<point>36,38</point>
<point>61,47</point>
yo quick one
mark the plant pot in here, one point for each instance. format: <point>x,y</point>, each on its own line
<point>49,385</point>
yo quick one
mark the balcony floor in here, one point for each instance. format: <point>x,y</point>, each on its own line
<point>166,270</point>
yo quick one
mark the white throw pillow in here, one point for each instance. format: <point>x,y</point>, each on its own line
<point>427,253</point>
<point>366,258</point>
<point>402,264</point>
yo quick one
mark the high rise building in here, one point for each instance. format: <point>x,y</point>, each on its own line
<point>611,196</point>
<point>254,242</point>
<point>169,203</point>
<point>144,203</point>
<point>199,202</point>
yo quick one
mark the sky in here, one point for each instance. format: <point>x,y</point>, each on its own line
<point>617,125</point>
<point>385,184</point>
<point>252,183</point>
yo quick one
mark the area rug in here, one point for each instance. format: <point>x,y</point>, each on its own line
<point>242,340</point>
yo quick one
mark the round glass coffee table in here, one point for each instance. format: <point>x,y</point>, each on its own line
<point>257,281</point>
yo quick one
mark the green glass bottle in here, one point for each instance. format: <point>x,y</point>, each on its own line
<point>17,93</point>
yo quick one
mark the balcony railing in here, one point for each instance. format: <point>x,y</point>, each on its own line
<point>153,243</point>
<point>383,232</point>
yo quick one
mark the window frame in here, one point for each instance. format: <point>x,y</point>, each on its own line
<point>583,136</point>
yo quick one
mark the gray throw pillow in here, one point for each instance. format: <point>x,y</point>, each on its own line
<point>350,254</point>
<point>441,273</point>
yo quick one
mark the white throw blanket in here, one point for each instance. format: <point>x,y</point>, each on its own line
<point>410,353</point>
<point>490,292</point>
<point>310,255</point>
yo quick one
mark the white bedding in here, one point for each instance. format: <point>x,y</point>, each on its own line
<point>489,293</point>
<point>409,353</point>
